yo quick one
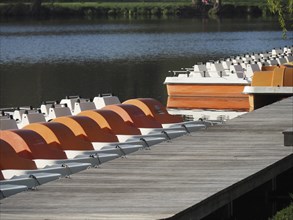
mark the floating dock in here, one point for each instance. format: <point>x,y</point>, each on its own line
<point>190,177</point>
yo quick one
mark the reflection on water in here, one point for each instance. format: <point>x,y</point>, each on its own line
<point>48,60</point>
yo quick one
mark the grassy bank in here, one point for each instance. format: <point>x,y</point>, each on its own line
<point>97,9</point>
<point>112,8</point>
<point>259,3</point>
<point>127,8</point>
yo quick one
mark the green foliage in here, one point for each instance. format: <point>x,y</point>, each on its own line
<point>91,8</point>
<point>285,214</point>
<point>245,2</point>
<point>281,8</point>
<point>117,4</point>
<point>125,8</point>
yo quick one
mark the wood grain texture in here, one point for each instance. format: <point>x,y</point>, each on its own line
<point>201,171</point>
<point>188,96</point>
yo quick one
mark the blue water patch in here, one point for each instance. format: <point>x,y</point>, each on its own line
<point>54,43</point>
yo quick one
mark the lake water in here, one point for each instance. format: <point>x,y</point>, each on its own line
<point>47,60</point>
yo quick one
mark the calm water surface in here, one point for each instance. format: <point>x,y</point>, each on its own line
<point>50,59</point>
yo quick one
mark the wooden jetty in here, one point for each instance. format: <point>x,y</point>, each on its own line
<point>189,177</point>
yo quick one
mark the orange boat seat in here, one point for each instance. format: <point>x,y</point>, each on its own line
<point>278,76</point>
<point>111,122</point>
<point>134,116</point>
<point>288,76</point>
<point>86,128</point>
<point>268,68</point>
<point>30,145</point>
<point>11,160</point>
<point>262,78</point>
<point>60,136</point>
<point>153,108</point>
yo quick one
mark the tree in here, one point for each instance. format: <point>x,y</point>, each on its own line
<point>217,4</point>
<point>281,8</point>
<point>36,7</point>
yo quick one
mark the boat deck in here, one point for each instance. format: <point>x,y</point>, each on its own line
<point>204,171</point>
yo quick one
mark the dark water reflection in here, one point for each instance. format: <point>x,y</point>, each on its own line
<point>32,83</point>
<point>130,58</point>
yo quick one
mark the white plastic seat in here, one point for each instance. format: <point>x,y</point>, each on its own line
<point>45,106</point>
<point>288,50</point>
<point>237,70</point>
<point>31,117</point>
<point>265,55</point>
<point>289,58</point>
<point>260,64</point>
<point>58,111</point>
<point>277,51</point>
<point>236,60</point>
<point>208,64</point>
<point>273,62</point>
<point>83,106</point>
<point>256,56</point>
<point>281,60</point>
<point>218,69</point>
<point>17,114</point>
<point>247,59</point>
<point>226,64</point>
<point>103,101</point>
<point>244,65</point>
<point>183,75</point>
<point>194,74</point>
<point>201,69</point>
<point>69,101</point>
<point>251,68</point>
<point>7,122</point>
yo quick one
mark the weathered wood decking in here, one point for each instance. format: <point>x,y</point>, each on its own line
<point>202,171</point>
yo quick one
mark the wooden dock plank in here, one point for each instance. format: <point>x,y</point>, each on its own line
<point>171,177</point>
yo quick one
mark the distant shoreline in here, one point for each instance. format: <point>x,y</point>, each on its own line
<point>126,9</point>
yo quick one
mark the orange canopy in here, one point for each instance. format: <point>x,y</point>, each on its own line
<point>60,136</point>
<point>155,109</point>
<point>134,116</point>
<point>10,160</point>
<point>274,76</point>
<point>111,122</point>
<point>30,145</point>
<point>86,128</point>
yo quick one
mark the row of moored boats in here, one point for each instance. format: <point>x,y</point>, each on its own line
<point>219,85</point>
<point>239,67</point>
<point>62,138</point>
